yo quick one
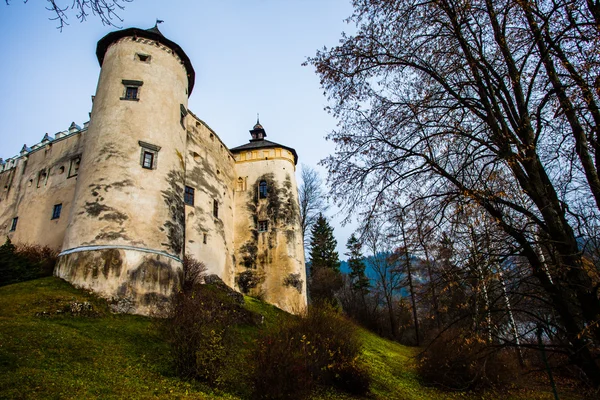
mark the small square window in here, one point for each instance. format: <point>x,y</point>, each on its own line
<point>131,93</point>
<point>132,90</point>
<point>148,160</point>
<point>13,227</point>
<point>56,211</point>
<point>188,196</point>
<point>215,209</point>
<point>263,226</point>
<point>149,155</point>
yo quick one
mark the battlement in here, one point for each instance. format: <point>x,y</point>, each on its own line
<point>47,140</point>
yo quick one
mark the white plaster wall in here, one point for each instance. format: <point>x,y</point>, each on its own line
<point>210,171</point>
<point>117,202</point>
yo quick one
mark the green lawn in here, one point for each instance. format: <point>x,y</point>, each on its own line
<point>50,354</point>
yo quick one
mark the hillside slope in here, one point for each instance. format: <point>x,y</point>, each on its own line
<point>59,342</point>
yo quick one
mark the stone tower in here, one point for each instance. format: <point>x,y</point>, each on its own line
<point>125,236</point>
<point>269,246</point>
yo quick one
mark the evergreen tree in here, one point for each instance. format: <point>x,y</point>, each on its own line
<point>322,247</point>
<point>360,282</point>
<point>325,275</point>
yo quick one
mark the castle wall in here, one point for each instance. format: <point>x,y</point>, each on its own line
<point>38,181</point>
<point>272,259</point>
<point>210,172</point>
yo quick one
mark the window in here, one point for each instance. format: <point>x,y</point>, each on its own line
<point>132,90</point>
<point>262,190</point>
<point>263,226</point>
<point>215,209</point>
<point>41,178</point>
<point>74,167</point>
<point>204,239</point>
<point>56,211</point>
<point>240,184</point>
<point>13,227</point>
<point>149,155</point>
<point>148,161</point>
<point>188,196</point>
<point>143,57</point>
<point>131,93</point>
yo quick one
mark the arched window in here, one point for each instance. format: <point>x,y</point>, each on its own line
<point>262,190</point>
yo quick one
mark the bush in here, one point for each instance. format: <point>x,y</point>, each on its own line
<point>25,262</point>
<point>199,330</point>
<point>462,360</point>
<point>320,348</point>
<point>193,272</point>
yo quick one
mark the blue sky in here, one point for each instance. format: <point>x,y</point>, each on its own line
<point>247,55</point>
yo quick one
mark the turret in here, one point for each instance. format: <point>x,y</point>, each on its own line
<point>268,236</point>
<point>125,234</point>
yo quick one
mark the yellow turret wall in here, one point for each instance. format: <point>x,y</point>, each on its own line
<point>146,181</point>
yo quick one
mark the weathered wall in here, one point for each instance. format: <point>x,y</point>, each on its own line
<point>274,259</point>
<point>119,204</point>
<point>210,172</point>
<point>38,181</point>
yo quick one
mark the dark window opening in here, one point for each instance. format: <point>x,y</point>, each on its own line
<point>132,89</point>
<point>13,227</point>
<point>262,190</point>
<point>263,226</point>
<point>188,196</point>
<point>204,239</point>
<point>56,211</point>
<point>143,57</point>
<point>131,93</point>
<point>148,160</point>
<point>215,209</point>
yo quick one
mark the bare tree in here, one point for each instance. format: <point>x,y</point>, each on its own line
<point>106,10</point>
<point>311,198</point>
<point>493,102</point>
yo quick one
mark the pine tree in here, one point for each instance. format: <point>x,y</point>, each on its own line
<point>360,282</point>
<point>325,273</point>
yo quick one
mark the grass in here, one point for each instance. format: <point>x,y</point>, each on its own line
<point>56,355</point>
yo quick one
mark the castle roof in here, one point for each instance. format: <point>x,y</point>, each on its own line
<point>154,34</point>
<point>263,144</point>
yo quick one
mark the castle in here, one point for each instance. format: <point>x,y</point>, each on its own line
<point>145,181</point>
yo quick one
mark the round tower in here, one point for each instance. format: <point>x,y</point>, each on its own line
<point>126,230</point>
<point>268,235</point>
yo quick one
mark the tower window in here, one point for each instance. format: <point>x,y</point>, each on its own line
<point>143,57</point>
<point>263,226</point>
<point>262,190</point>
<point>132,90</point>
<point>13,227</point>
<point>188,196</point>
<point>56,211</point>
<point>204,238</point>
<point>215,209</point>
<point>148,161</point>
<point>149,155</point>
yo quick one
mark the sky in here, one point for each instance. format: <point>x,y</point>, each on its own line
<point>247,55</point>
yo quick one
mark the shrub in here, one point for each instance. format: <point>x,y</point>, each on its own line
<point>462,360</point>
<point>199,330</point>
<point>193,272</point>
<point>25,262</point>
<point>320,348</point>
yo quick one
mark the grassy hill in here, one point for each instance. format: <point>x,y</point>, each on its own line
<point>60,342</point>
